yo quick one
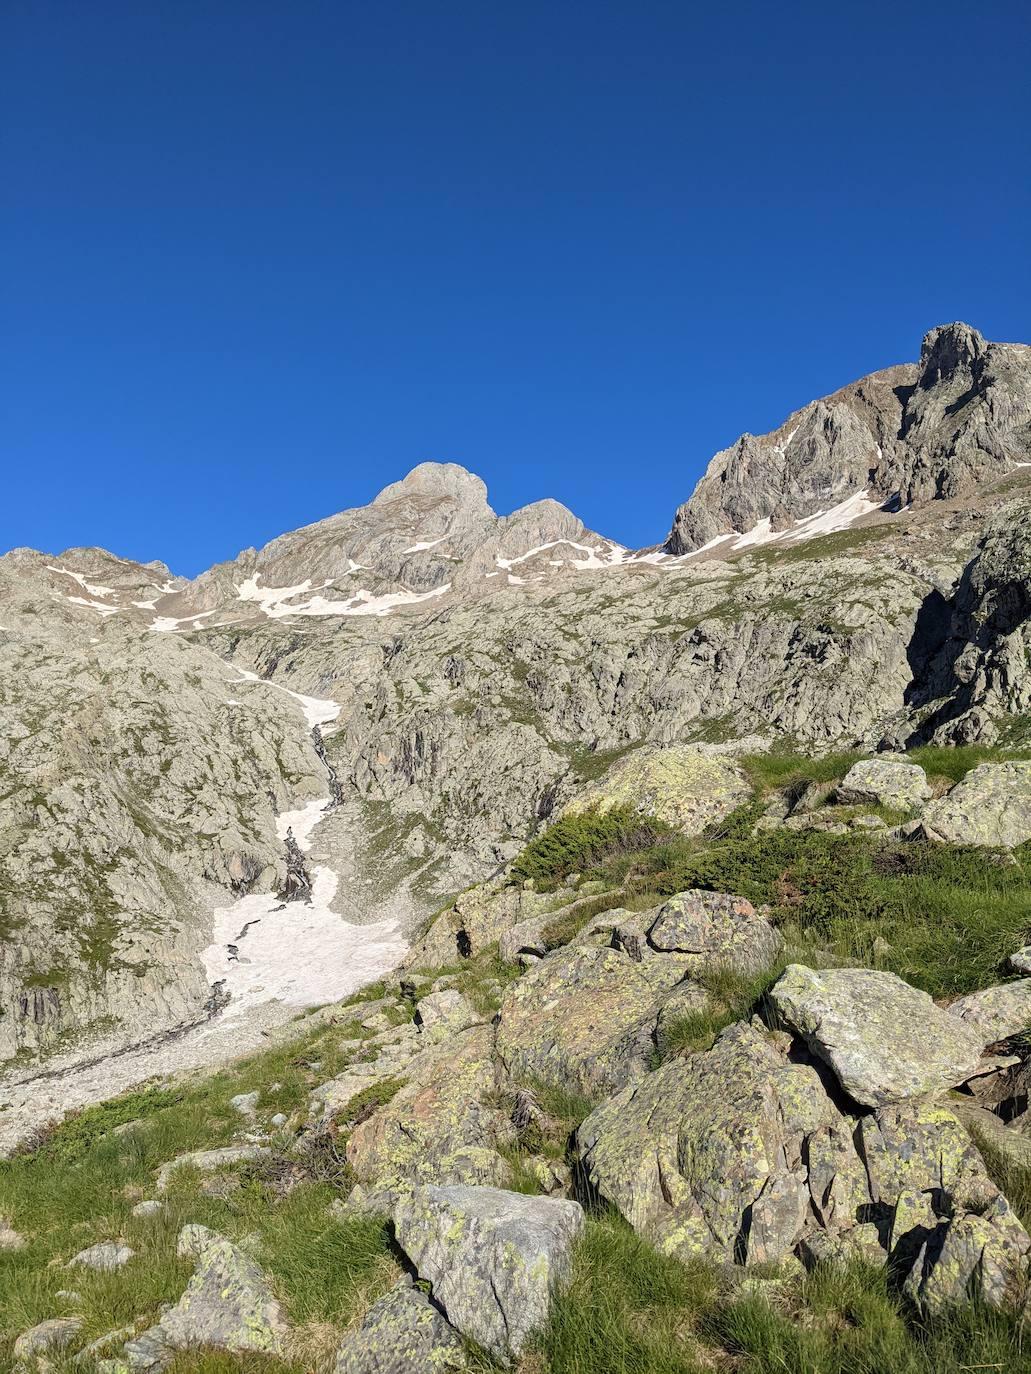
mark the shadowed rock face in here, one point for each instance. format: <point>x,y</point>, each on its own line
<point>908,434</point>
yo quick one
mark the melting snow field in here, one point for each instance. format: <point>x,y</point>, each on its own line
<point>297,953</point>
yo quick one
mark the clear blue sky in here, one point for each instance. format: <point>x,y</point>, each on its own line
<point>260,258</point>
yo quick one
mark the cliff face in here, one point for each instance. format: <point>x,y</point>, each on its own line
<point>906,435</point>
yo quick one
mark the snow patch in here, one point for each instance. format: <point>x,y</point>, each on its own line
<point>317,710</point>
<point>424,544</point>
<point>298,953</point>
<point>95,605</point>
<point>275,601</point>
<point>93,588</point>
<point>166,624</point>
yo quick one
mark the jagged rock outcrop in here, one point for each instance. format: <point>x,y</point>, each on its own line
<point>907,435</point>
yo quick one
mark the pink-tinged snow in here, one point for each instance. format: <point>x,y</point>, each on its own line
<point>317,710</point>
<point>277,602</point>
<point>297,953</point>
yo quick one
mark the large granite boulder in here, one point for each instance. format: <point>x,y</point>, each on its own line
<point>494,1259</point>
<point>991,806</point>
<point>884,1040</point>
<point>440,1127</point>
<point>707,1155</point>
<point>715,928</point>
<point>997,1012</point>
<point>403,1333</point>
<point>583,1017</point>
<point>885,782</point>
<point>686,787</point>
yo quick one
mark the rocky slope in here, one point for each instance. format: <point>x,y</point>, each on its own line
<point>445,680</point>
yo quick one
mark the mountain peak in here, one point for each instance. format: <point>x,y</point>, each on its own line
<point>437,480</point>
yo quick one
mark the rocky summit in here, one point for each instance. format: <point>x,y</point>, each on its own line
<point>442,940</point>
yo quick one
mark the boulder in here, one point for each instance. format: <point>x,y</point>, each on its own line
<point>583,1018</point>
<point>50,1337</point>
<point>494,1259</point>
<point>997,1012</point>
<point>403,1333</point>
<point>707,1155</point>
<point>447,1010</point>
<point>150,1207</point>
<point>715,928</point>
<point>687,788</point>
<point>885,782</point>
<point>227,1305</point>
<point>525,938</point>
<point>884,1040</point>
<point>1020,960</point>
<point>441,1127</point>
<point>977,1256</point>
<point>991,806</point>
<point>105,1256</point>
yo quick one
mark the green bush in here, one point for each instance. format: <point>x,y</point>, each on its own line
<point>577,842</point>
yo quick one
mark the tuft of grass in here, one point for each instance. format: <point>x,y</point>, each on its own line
<point>628,1309</point>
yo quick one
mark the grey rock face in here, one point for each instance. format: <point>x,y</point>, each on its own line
<point>403,1333</point>
<point>998,1012</point>
<point>885,782</point>
<point>909,434</point>
<point>884,1040</point>
<point>495,1259</point>
<point>991,806</point>
<point>715,928</point>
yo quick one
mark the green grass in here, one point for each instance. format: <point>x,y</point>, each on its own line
<point>79,1184</point>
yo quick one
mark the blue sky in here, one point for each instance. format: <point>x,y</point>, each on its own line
<point>259,259</point>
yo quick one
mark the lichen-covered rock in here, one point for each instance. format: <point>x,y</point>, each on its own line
<point>583,1017</point>
<point>885,782</point>
<point>686,787</point>
<point>403,1333</point>
<point>707,1155</point>
<point>972,1257</point>
<point>33,1346</point>
<point>105,1256</point>
<point>446,1010</point>
<point>525,938</point>
<point>715,928</point>
<point>884,1039</point>
<point>227,1305</point>
<point>990,806</point>
<point>494,1259</point>
<point>997,1012</point>
<point>440,1127</point>
<point>477,918</point>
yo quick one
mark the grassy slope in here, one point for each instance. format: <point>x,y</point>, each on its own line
<point>947,916</point>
